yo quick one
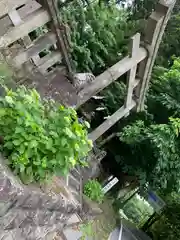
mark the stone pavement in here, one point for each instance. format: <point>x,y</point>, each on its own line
<point>27,214</point>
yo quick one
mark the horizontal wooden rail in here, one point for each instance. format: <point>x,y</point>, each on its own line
<point>39,45</point>
<point>37,19</point>
<point>30,7</point>
<point>49,60</point>
<point>120,113</point>
<point>110,75</point>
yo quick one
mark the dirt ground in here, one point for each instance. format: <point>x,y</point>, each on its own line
<point>106,222</point>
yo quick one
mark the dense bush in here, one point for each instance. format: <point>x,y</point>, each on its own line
<point>167,225</point>
<point>154,152</point>
<point>40,137</point>
<point>149,143</point>
<point>93,190</point>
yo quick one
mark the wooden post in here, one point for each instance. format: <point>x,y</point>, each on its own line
<point>135,43</point>
<point>153,36</point>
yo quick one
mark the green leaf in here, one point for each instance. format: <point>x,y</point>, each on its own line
<point>22,148</point>
<point>76,146</point>
<point>68,132</point>
<point>2,112</point>
<point>17,142</point>
<point>9,99</point>
<point>29,170</point>
<point>37,163</point>
<point>19,130</point>
<point>44,162</point>
<point>63,141</point>
<point>22,168</point>
<point>87,124</point>
<point>64,171</point>
<point>33,144</point>
<point>49,143</point>
<point>9,145</point>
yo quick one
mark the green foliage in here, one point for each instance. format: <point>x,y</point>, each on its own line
<point>40,137</point>
<point>40,31</point>
<point>168,225</point>
<point>137,209</point>
<point>171,40</point>
<point>99,34</point>
<point>114,96</point>
<point>93,191</point>
<point>164,96</point>
<point>157,153</point>
<point>149,145</point>
<point>141,9</point>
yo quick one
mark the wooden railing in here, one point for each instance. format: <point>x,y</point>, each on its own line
<point>18,18</point>
<point>142,58</point>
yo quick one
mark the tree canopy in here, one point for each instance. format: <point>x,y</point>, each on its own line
<point>99,33</point>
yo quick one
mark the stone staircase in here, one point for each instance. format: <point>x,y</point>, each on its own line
<point>30,214</point>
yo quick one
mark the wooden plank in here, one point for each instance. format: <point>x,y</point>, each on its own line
<point>135,43</point>
<point>9,5</point>
<point>16,20</point>
<point>32,22</point>
<point>49,60</point>
<point>109,76</point>
<point>39,45</point>
<point>30,7</point>
<point>120,113</point>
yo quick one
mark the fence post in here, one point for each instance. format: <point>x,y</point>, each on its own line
<point>154,32</point>
<point>134,48</point>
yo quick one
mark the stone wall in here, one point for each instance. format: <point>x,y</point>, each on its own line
<point>29,214</point>
<point>93,169</point>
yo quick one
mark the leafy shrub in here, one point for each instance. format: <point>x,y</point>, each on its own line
<point>93,190</point>
<point>40,137</point>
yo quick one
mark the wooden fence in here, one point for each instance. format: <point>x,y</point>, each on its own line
<point>18,19</point>
<point>142,58</point>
